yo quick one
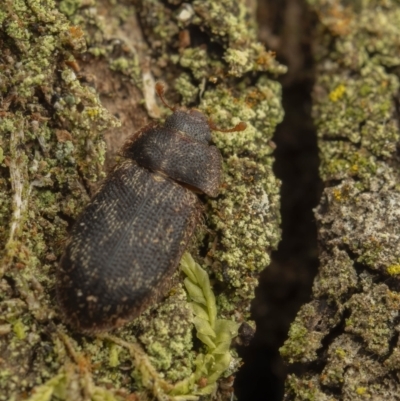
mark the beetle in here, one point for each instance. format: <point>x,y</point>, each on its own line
<point>129,239</point>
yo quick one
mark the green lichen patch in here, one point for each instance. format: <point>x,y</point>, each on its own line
<point>337,276</point>
<point>345,372</point>
<point>342,354</point>
<point>350,372</point>
<point>228,26</point>
<point>306,333</point>
<point>347,160</point>
<point>333,286</point>
<point>363,116</point>
<point>258,106</point>
<point>246,218</point>
<point>363,113</point>
<point>168,339</point>
<point>374,322</point>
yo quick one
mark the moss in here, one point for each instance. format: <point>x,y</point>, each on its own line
<point>215,333</point>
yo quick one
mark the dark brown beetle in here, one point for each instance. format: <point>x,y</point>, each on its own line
<point>130,238</point>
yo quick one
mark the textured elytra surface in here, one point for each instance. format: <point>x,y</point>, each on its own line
<point>123,247</point>
<point>141,220</point>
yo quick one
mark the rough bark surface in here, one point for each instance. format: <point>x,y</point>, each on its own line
<point>76,79</point>
<point>345,341</point>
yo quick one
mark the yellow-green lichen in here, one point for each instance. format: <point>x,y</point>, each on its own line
<point>302,343</point>
<point>337,93</point>
<point>184,86</point>
<point>19,330</point>
<point>128,66</point>
<point>361,390</point>
<point>393,270</point>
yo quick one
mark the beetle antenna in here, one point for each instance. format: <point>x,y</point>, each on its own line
<point>237,128</point>
<point>160,89</point>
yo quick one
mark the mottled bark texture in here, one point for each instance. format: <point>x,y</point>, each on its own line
<point>345,341</point>
<point>76,79</point>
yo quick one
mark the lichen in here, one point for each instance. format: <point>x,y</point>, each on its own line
<point>350,326</point>
<point>40,177</point>
<point>168,339</point>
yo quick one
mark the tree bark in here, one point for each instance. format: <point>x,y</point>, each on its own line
<point>345,340</point>
<point>76,79</point>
